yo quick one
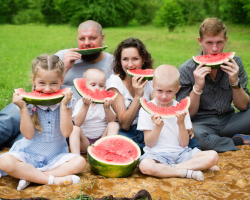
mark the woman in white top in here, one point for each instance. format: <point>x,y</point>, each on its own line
<point>130,54</point>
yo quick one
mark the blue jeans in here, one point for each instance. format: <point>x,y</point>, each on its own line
<point>136,135</point>
<point>193,143</point>
<point>9,125</point>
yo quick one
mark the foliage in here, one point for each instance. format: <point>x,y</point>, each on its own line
<point>107,13</point>
<point>170,15</point>
<point>28,16</point>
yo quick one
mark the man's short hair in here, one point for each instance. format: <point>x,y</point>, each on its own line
<point>212,26</point>
<point>89,24</point>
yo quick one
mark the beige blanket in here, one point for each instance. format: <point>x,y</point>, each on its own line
<point>231,182</point>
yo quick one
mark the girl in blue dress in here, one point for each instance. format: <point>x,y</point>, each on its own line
<point>42,156</point>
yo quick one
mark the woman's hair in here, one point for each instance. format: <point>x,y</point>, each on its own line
<point>127,43</point>
<point>46,62</point>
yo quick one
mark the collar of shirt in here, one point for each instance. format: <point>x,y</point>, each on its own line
<point>53,107</point>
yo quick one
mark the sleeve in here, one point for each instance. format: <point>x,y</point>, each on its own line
<point>242,74</point>
<point>185,82</point>
<point>77,107</point>
<point>144,121</point>
<point>114,82</point>
<point>61,53</point>
<point>187,121</point>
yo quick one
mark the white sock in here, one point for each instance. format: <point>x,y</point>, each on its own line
<point>71,179</point>
<point>51,180</point>
<point>197,175</point>
<point>22,184</point>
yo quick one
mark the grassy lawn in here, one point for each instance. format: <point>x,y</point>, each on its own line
<point>21,44</point>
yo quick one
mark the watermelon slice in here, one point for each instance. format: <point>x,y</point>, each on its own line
<point>42,99</point>
<point>97,96</point>
<point>213,60</point>
<point>147,73</point>
<point>114,156</point>
<point>91,50</point>
<point>165,112</point>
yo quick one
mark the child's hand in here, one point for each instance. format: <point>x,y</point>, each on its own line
<point>191,133</point>
<point>180,116</point>
<point>67,97</point>
<point>157,120</point>
<point>86,101</point>
<point>107,103</point>
<point>18,100</point>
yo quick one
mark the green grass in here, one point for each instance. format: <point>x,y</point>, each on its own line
<point>21,44</point>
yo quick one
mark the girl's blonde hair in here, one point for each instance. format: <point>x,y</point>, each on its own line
<point>46,62</point>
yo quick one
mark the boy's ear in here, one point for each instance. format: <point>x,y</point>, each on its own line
<point>178,88</point>
<point>62,81</point>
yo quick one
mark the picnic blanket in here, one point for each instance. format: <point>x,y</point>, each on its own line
<point>231,182</point>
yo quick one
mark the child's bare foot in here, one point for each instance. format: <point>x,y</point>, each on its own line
<point>214,168</point>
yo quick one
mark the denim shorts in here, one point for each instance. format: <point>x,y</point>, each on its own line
<point>136,135</point>
<point>172,157</point>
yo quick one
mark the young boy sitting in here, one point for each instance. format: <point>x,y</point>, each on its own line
<point>166,151</point>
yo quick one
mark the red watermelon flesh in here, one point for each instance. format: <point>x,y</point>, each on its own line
<point>39,98</point>
<point>114,156</point>
<point>213,60</point>
<point>97,96</point>
<point>165,112</point>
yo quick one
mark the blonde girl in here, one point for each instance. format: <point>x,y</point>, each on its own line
<point>42,156</point>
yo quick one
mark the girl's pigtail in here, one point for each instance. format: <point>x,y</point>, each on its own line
<point>36,121</point>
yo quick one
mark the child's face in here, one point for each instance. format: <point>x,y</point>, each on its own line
<point>95,80</point>
<point>164,91</point>
<point>131,59</point>
<point>47,81</point>
<point>212,44</point>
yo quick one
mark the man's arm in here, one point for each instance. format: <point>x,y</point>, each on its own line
<point>236,72</point>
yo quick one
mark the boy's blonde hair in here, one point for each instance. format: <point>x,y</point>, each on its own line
<point>92,69</point>
<point>167,73</point>
<point>212,26</point>
<point>46,62</point>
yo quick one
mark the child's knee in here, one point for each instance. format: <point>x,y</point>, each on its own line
<point>76,131</point>
<point>80,164</point>
<point>7,163</point>
<point>146,168</point>
<point>213,157</point>
<point>113,125</point>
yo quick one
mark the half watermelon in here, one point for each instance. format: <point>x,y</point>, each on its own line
<point>147,73</point>
<point>114,156</point>
<point>213,60</point>
<point>42,99</point>
<point>165,112</point>
<point>97,96</point>
<point>91,50</point>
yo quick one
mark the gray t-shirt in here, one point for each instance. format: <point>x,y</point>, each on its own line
<point>81,66</point>
<point>217,95</point>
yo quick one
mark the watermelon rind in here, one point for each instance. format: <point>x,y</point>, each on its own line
<point>81,93</point>
<point>41,101</point>
<point>146,77</point>
<point>215,65</point>
<point>109,169</point>
<point>145,106</point>
<point>91,50</point>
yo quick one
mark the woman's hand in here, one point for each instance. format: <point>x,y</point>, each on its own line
<point>138,84</point>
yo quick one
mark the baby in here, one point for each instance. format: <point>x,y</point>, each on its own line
<point>92,121</point>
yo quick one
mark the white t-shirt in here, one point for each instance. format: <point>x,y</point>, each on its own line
<point>115,81</point>
<point>168,138</point>
<point>95,122</point>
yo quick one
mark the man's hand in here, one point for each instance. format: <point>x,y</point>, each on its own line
<point>69,59</point>
<point>232,69</point>
<point>199,76</point>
